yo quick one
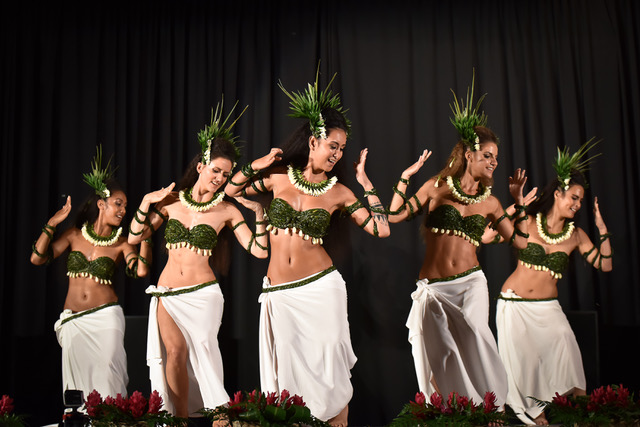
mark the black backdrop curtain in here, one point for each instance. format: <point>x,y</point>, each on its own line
<point>140,78</point>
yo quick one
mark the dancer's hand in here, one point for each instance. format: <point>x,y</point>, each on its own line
<point>516,184</point>
<point>414,168</point>
<point>158,195</point>
<point>252,205</point>
<point>62,214</point>
<point>264,162</point>
<point>361,175</point>
<point>598,217</point>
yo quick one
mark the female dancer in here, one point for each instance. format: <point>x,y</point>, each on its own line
<point>186,313</point>
<point>536,343</point>
<point>453,347</point>
<point>91,327</point>
<point>305,345</point>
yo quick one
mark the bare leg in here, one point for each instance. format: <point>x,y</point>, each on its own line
<point>340,420</point>
<point>578,392</point>
<point>176,366</point>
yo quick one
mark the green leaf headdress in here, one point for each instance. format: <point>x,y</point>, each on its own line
<point>310,103</point>
<point>219,129</point>
<point>466,117</point>
<point>565,163</point>
<point>98,176</point>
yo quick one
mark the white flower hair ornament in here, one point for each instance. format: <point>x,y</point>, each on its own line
<point>466,117</point>
<point>309,104</point>
<point>218,129</point>
<point>565,164</point>
<point>98,176</point>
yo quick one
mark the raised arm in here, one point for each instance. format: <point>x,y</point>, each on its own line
<point>144,222</point>
<point>256,244</point>
<point>402,208</point>
<point>238,183</point>
<point>44,249</point>
<point>517,233</point>
<point>379,227</point>
<point>491,235</point>
<point>600,255</point>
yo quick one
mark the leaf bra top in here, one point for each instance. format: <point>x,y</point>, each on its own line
<point>202,238</point>
<point>535,257</point>
<point>309,224</point>
<point>446,219</point>
<point>100,269</point>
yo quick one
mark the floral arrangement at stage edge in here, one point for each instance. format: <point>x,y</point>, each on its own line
<point>7,419</point>
<point>605,406</point>
<point>459,411</point>
<point>132,410</point>
<point>264,409</point>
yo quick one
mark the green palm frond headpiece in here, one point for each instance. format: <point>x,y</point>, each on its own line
<point>466,116</point>
<point>98,176</point>
<point>565,163</point>
<point>219,129</point>
<point>310,103</point>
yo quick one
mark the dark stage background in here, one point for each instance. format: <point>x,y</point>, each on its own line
<point>141,77</point>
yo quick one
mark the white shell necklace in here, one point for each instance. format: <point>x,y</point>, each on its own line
<point>96,240</point>
<point>187,201</point>
<point>550,238</point>
<point>315,189</point>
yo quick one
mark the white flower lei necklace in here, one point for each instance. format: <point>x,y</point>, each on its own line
<point>187,201</point>
<point>97,240</point>
<point>552,239</point>
<point>314,189</point>
<point>461,196</point>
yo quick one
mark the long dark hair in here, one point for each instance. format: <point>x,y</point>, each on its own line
<point>546,199</point>
<point>89,211</point>
<point>295,150</point>
<point>220,148</point>
<point>457,162</point>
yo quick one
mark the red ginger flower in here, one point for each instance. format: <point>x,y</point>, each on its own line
<point>610,395</point>
<point>297,400</point>
<point>137,404</point>
<point>623,396</point>
<point>237,398</point>
<point>561,400</point>
<point>597,396</point>
<point>155,402</point>
<point>271,398</point>
<point>490,402</point>
<point>420,398</point>
<point>254,396</point>
<point>122,403</point>
<point>436,400</point>
<point>453,399</point>
<point>464,401</point>
<point>6,405</point>
<point>284,396</point>
<point>93,400</point>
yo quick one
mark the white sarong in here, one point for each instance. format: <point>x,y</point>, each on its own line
<point>451,339</point>
<point>539,351</point>
<point>305,345</point>
<point>197,311</point>
<point>93,355</point>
